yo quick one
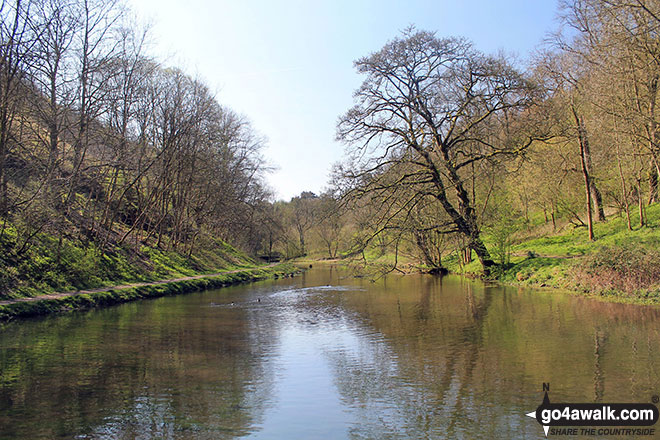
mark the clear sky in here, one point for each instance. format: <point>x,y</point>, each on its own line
<point>287,65</point>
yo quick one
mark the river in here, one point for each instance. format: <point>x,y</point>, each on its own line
<point>324,356</point>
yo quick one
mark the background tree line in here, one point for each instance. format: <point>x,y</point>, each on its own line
<point>102,145</point>
<point>455,153</point>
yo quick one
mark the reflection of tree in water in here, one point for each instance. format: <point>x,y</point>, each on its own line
<point>173,371</point>
<point>406,385</point>
<point>600,339</point>
<point>466,361</point>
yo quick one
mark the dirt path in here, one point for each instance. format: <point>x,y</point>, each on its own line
<point>125,286</point>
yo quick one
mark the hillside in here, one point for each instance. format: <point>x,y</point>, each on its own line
<point>621,265</point>
<point>114,167</point>
<point>47,266</point>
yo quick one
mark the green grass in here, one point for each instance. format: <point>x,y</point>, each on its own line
<point>118,296</point>
<point>614,232</point>
<point>569,260</point>
<point>48,266</point>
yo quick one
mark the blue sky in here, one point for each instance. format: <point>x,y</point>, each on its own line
<point>288,65</point>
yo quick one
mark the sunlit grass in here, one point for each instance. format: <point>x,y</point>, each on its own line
<point>48,266</point>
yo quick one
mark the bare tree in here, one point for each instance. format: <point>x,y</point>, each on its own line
<point>17,40</point>
<point>438,106</point>
<point>96,43</point>
<point>302,213</point>
<point>618,40</point>
<point>329,223</point>
<point>54,75</point>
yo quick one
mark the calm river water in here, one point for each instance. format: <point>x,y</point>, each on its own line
<point>324,356</point>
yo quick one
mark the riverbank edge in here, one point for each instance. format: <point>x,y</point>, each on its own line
<point>614,297</point>
<point>114,296</point>
<point>558,278</point>
<point>555,282</point>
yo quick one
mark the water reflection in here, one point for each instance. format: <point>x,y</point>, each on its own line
<point>323,356</point>
<point>158,369</point>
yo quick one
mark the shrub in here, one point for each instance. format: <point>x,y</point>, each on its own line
<point>629,269</point>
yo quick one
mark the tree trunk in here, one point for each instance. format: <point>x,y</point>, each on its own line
<point>301,239</point>
<point>585,158</point>
<point>467,255</point>
<point>584,148</point>
<point>652,129</point>
<point>482,253</point>
<point>587,186</point>
<point>642,220</point>
<point>598,200</point>
<point>653,184</point>
<point>596,197</point>
<point>624,189</point>
<point>464,218</point>
<point>3,179</point>
<point>552,215</point>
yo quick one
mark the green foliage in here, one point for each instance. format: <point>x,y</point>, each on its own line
<point>48,265</point>
<point>621,265</point>
<point>170,262</point>
<point>628,269</point>
<point>501,231</point>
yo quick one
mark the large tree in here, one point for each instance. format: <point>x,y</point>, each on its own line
<point>618,41</point>
<point>435,109</point>
<point>17,39</point>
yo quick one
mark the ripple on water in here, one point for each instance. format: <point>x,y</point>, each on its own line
<point>405,357</point>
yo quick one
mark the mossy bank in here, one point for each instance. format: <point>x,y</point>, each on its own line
<point>47,264</point>
<point>81,301</point>
<point>620,265</point>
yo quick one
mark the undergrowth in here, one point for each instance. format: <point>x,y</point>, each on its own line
<point>49,265</point>
<point>619,264</point>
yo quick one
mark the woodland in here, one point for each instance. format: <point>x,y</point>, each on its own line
<point>115,167</point>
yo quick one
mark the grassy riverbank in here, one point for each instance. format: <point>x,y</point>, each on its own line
<point>620,265</point>
<point>50,274</point>
<point>47,264</point>
<point>24,308</point>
